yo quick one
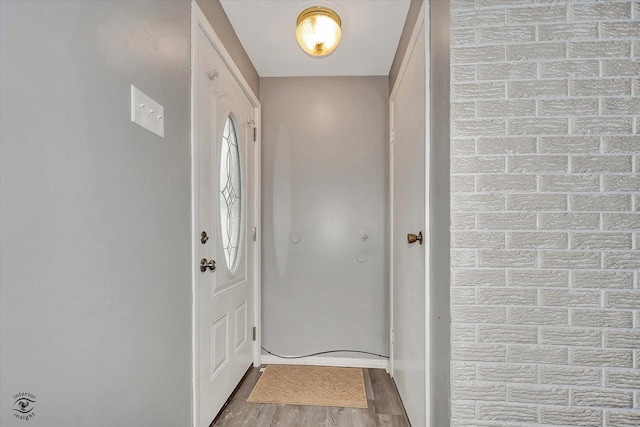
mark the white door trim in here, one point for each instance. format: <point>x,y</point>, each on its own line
<point>423,20</point>
<point>199,21</point>
<point>329,361</point>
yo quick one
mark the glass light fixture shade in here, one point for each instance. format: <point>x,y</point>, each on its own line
<point>318,31</point>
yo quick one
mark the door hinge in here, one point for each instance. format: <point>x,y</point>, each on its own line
<point>254,333</point>
<point>392,136</point>
<point>255,233</point>
<point>252,123</point>
<point>391,336</point>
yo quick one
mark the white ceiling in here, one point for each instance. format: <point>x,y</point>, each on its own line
<point>370,33</point>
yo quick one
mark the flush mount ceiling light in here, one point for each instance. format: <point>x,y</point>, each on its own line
<point>318,30</point>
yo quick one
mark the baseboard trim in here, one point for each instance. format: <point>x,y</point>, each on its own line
<point>328,361</point>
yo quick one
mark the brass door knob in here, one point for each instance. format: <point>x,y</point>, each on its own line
<point>412,238</point>
<point>204,264</point>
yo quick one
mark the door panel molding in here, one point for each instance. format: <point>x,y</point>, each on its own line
<point>231,287</point>
<point>240,334</point>
<point>215,363</point>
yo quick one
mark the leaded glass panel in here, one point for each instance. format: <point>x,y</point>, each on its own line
<point>230,195</point>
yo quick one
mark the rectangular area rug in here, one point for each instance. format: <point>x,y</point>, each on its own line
<point>311,385</point>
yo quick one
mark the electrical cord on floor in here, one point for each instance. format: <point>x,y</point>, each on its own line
<point>325,352</point>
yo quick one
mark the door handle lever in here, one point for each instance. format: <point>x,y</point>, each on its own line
<point>412,238</point>
<point>204,264</point>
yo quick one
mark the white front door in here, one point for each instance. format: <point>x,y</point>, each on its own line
<point>224,214</point>
<point>408,182</point>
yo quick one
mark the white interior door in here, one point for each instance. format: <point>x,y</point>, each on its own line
<point>224,215</point>
<point>408,260</point>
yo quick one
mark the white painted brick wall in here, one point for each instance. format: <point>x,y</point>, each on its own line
<point>545,201</point>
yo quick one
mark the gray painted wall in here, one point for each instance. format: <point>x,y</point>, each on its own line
<point>545,187</point>
<point>218,19</point>
<point>95,273</point>
<point>324,177</point>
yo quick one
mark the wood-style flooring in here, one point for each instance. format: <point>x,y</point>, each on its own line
<point>385,408</point>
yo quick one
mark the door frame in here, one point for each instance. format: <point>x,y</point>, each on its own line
<point>422,20</point>
<point>199,21</point>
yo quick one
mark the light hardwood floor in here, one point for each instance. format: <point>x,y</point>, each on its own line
<point>385,408</point>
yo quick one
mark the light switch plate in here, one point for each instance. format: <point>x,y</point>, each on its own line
<point>146,112</point>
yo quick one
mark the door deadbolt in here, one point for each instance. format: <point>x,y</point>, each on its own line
<point>203,237</point>
<point>204,264</point>
<point>412,238</point>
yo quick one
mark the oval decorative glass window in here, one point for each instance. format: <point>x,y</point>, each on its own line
<point>230,195</point>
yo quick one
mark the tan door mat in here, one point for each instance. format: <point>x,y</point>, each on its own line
<point>311,385</point>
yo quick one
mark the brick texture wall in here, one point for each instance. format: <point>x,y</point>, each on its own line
<point>545,213</point>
